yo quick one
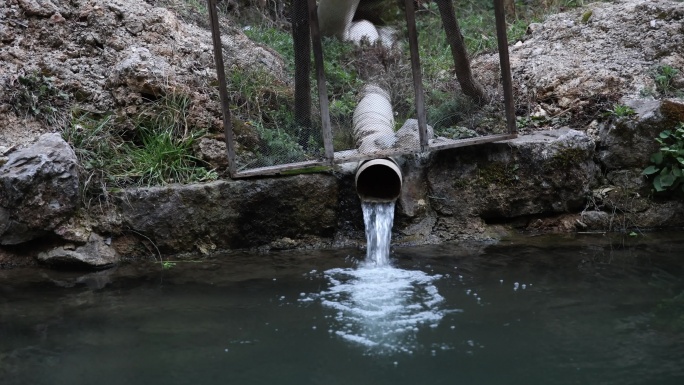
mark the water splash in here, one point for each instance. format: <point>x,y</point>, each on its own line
<point>382,308</point>
<point>376,305</point>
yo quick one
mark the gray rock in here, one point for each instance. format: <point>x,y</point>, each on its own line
<point>139,70</point>
<point>43,8</point>
<point>550,172</point>
<point>614,53</point>
<point>95,254</point>
<point>629,143</point>
<point>596,220</point>
<point>213,152</point>
<point>38,189</point>
<point>408,136</point>
<point>629,179</point>
<point>232,214</point>
<point>665,214</point>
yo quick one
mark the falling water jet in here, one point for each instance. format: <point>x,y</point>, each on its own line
<point>378,218</point>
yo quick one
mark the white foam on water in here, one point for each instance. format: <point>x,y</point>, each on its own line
<point>382,308</point>
<point>377,306</point>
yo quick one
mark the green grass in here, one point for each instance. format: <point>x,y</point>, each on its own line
<point>158,150</point>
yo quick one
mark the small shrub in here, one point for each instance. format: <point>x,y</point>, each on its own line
<point>668,162</point>
<point>278,147</point>
<point>96,143</point>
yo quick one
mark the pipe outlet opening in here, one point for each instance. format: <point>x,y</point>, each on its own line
<point>378,180</point>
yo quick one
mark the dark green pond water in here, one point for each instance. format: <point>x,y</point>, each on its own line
<point>540,310</point>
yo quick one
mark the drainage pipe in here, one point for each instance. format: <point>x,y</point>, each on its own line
<point>335,19</point>
<point>377,180</point>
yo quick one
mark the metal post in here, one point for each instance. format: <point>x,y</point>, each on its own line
<point>326,130</point>
<point>417,75</point>
<point>223,86</point>
<point>502,41</point>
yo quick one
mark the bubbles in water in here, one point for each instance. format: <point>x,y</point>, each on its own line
<point>377,305</point>
<point>382,308</point>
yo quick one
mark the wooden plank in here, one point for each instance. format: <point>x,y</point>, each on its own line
<point>349,156</point>
<point>279,169</point>
<point>223,85</point>
<point>355,156</point>
<point>453,143</point>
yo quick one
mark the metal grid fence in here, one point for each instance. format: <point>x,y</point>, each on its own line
<point>281,126</point>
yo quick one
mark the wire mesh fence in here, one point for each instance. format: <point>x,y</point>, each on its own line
<point>355,92</point>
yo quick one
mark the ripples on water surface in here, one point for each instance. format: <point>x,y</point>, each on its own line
<point>553,311</point>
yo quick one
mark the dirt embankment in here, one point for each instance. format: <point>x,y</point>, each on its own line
<point>105,56</point>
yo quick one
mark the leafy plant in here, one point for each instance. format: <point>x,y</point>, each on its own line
<point>279,147</point>
<point>621,111</point>
<point>668,161</point>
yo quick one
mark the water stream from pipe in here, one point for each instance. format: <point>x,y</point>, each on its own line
<point>377,306</point>
<point>378,219</point>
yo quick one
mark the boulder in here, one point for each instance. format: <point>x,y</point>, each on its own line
<point>95,254</point>
<point>38,189</point>
<point>629,142</point>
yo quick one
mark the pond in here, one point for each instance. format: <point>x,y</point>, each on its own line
<point>535,310</point>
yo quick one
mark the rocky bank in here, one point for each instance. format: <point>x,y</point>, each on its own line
<point>574,167</point>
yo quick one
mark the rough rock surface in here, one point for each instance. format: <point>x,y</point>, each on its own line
<point>38,189</point>
<point>110,54</point>
<point>96,253</point>
<point>629,143</point>
<point>568,63</point>
<point>232,214</point>
<point>545,173</point>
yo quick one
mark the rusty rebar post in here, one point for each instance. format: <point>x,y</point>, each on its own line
<point>417,75</point>
<point>223,85</point>
<point>505,63</point>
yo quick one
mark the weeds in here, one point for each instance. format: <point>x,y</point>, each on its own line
<point>621,111</point>
<point>162,158</point>
<point>159,150</point>
<point>668,162</point>
<point>279,147</point>
<point>36,95</point>
<point>664,79</point>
